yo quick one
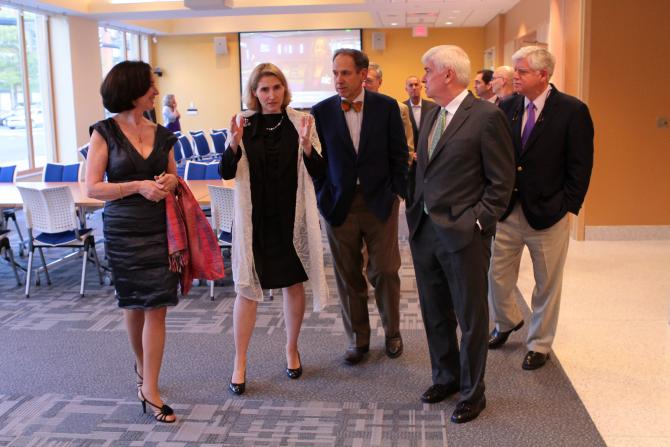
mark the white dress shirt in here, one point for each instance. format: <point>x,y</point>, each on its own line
<point>355,120</point>
<point>416,111</point>
<point>539,105</point>
<point>451,109</point>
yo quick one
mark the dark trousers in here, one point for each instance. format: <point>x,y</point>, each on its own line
<point>453,292</point>
<point>346,245</point>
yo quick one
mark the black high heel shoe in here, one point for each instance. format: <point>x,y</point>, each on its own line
<point>162,413</point>
<point>295,373</point>
<point>141,381</point>
<point>238,388</point>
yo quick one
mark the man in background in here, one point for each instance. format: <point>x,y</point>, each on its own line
<point>417,105</point>
<point>483,85</point>
<point>372,83</point>
<point>501,83</point>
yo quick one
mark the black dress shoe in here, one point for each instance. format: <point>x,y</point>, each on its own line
<point>466,411</point>
<point>355,354</point>
<point>498,338</point>
<point>237,388</point>
<point>438,392</point>
<point>534,360</point>
<point>295,373</point>
<point>393,347</point>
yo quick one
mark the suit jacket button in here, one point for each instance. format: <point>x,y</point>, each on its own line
<point>425,180</point>
<point>519,168</point>
<point>516,189</point>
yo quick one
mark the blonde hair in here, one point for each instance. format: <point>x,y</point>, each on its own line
<point>262,70</point>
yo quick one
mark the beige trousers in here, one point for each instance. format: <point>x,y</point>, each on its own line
<point>548,250</point>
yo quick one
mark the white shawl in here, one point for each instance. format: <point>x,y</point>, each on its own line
<point>306,228</point>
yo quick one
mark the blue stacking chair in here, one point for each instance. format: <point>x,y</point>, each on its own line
<point>196,170</point>
<point>51,212</point>
<point>84,151</point>
<point>8,175</point>
<point>58,172</point>
<point>201,144</point>
<point>219,141</point>
<point>186,148</point>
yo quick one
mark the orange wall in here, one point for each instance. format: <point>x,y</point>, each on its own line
<point>627,92</point>
<point>402,56</point>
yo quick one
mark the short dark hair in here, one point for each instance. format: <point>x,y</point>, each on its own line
<point>125,82</point>
<point>361,60</point>
<point>487,75</point>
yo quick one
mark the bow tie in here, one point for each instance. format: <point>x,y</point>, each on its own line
<point>347,105</point>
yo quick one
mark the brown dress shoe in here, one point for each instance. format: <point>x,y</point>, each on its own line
<point>355,354</point>
<point>534,360</point>
<point>393,347</point>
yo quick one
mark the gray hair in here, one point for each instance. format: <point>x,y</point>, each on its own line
<point>505,70</point>
<point>167,99</point>
<point>376,68</point>
<point>538,58</point>
<point>450,56</point>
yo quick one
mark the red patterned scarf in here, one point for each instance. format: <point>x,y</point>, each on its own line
<point>192,246</point>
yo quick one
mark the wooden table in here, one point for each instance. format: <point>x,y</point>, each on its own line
<point>11,198</point>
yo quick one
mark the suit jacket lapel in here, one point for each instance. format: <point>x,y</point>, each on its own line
<point>517,120</point>
<point>368,110</point>
<point>456,122</point>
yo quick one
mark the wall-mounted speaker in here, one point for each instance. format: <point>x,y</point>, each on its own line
<point>220,45</point>
<point>378,41</point>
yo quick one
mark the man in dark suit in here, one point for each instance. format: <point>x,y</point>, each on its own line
<point>418,107</point>
<point>553,142</point>
<point>358,178</point>
<point>464,178</point>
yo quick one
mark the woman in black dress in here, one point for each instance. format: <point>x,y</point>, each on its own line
<point>276,235</point>
<point>136,155</point>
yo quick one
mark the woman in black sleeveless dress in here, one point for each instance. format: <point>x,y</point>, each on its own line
<point>136,155</point>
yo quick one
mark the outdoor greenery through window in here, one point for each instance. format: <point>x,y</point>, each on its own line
<point>25,136</point>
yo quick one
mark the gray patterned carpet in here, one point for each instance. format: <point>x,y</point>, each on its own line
<point>66,379</point>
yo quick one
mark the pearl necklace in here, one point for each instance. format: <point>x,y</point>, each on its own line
<point>270,129</point>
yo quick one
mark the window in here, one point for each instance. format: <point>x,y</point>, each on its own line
<point>25,96</point>
<point>117,45</point>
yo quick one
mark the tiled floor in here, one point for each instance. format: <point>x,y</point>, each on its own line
<point>613,338</point>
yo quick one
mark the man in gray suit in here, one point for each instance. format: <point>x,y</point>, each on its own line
<point>463,183</point>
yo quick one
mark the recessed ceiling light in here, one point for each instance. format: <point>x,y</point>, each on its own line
<point>394,23</point>
<point>449,23</point>
<point>456,11</point>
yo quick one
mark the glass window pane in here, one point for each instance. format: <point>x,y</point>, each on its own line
<point>13,136</point>
<point>38,85</point>
<point>112,48</point>
<point>133,46</point>
<point>144,48</point>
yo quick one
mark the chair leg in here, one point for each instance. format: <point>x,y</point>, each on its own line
<point>11,259</point>
<point>18,231</point>
<point>44,264</point>
<point>83,269</point>
<point>29,271</point>
<point>211,290</point>
<point>96,260</point>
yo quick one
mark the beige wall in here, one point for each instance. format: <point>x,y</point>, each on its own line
<point>194,73</point>
<point>626,93</point>
<point>402,56</point>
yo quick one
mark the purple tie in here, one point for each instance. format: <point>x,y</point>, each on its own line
<point>530,123</point>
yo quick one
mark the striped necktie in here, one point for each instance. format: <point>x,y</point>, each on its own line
<point>439,130</point>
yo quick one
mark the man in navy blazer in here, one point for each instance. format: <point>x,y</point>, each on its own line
<point>359,178</point>
<point>553,142</point>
